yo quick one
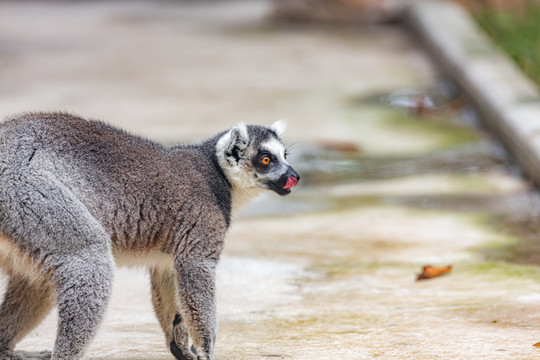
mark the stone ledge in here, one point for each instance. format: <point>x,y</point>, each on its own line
<point>508,102</point>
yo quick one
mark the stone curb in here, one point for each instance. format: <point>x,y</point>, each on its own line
<point>508,102</point>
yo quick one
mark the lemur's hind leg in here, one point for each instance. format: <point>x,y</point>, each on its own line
<point>73,247</point>
<point>164,299</point>
<point>84,283</point>
<point>25,305</point>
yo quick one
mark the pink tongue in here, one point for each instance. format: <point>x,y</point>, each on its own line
<point>291,182</point>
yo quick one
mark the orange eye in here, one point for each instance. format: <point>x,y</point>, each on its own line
<point>285,156</point>
<point>265,160</point>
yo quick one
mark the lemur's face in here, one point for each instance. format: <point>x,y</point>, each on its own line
<point>271,168</point>
<point>254,157</point>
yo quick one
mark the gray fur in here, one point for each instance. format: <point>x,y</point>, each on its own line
<point>77,195</point>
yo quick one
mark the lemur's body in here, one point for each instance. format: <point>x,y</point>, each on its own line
<point>75,195</point>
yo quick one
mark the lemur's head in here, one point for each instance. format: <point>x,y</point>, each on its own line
<point>254,157</point>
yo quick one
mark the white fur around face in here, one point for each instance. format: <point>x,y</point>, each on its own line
<point>242,129</point>
<point>226,140</point>
<point>243,185</point>
<point>279,127</point>
<point>275,147</point>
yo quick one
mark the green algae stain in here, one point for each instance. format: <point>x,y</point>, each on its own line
<point>507,253</point>
<point>521,245</point>
<point>439,129</point>
<point>502,270</point>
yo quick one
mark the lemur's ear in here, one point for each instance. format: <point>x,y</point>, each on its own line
<point>233,143</point>
<point>279,127</point>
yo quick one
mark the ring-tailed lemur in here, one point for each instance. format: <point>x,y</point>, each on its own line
<point>77,195</point>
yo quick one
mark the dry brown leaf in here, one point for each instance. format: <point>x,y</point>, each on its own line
<point>429,272</point>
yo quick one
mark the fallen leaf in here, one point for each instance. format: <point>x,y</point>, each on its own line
<point>429,272</point>
<point>537,345</point>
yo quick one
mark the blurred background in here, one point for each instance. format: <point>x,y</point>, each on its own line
<point>397,170</point>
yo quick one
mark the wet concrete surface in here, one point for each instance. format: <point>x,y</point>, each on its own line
<point>329,270</point>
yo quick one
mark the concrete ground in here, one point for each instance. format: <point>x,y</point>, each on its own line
<point>329,270</point>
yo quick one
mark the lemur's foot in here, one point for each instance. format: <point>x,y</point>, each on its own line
<point>26,355</point>
<point>179,345</point>
<point>183,355</point>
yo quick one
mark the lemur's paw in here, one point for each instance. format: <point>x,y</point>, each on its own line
<point>183,355</point>
<point>28,355</point>
<point>179,345</point>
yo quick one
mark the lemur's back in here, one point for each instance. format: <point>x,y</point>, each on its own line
<point>133,187</point>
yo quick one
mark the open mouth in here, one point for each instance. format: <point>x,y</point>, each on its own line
<point>283,187</point>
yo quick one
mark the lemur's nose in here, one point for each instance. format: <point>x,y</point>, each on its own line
<point>293,174</point>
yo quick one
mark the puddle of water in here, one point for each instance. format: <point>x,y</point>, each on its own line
<point>441,95</point>
<point>320,166</point>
